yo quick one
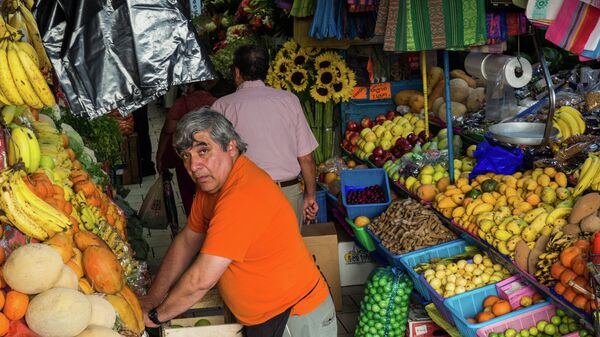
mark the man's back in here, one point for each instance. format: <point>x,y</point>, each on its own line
<point>272,122</point>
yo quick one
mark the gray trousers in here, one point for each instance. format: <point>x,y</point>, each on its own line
<point>296,198</point>
<point>321,322</point>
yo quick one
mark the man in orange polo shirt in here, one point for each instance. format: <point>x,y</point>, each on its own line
<point>248,239</point>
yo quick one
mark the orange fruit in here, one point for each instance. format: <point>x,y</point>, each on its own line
<point>557,269</point>
<point>560,288</point>
<point>426,192</point>
<point>569,295</point>
<point>490,300</point>
<point>484,316</point>
<point>15,305</point>
<point>4,324</point>
<point>501,307</point>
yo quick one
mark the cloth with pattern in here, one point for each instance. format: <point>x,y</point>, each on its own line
<point>414,25</point>
<point>303,8</point>
<point>576,25</point>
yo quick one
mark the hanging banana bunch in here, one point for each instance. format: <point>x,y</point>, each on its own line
<point>21,77</point>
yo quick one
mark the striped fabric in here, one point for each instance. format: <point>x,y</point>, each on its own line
<point>575,26</point>
<point>414,25</point>
<point>355,6</point>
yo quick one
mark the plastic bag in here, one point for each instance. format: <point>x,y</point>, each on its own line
<point>496,159</point>
<point>153,211</point>
<point>500,99</point>
<point>384,309</point>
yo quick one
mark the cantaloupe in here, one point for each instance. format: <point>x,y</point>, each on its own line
<point>103,270</point>
<point>98,331</point>
<point>32,268</point>
<point>103,313</point>
<point>67,279</point>
<point>59,312</point>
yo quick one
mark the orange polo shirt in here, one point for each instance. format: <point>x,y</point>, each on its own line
<point>251,222</point>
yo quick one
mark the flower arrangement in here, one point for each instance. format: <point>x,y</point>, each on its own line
<point>321,79</point>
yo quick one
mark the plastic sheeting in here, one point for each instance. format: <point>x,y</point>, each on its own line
<point>120,55</point>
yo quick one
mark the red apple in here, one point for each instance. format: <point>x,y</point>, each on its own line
<point>379,161</point>
<point>346,144</point>
<point>401,142</point>
<point>366,122</point>
<point>390,115</point>
<point>372,158</point>
<point>378,151</point>
<point>348,134</point>
<point>380,119</point>
<point>354,138</point>
<point>412,138</point>
<point>352,126</point>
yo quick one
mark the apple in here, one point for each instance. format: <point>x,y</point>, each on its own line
<point>348,134</point>
<point>366,122</point>
<point>354,139</point>
<point>387,135</point>
<point>406,147</point>
<point>378,151</point>
<point>385,144</point>
<point>372,158</point>
<point>346,144</point>
<point>401,142</point>
<point>412,138</point>
<point>352,126</point>
<point>380,119</point>
<point>370,137</point>
<point>388,156</point>
<point>397,130</point>
<point>423,136</point>
<point>390,115</point>
<point>397,152</point>
<point>379,161</point>
<point>369,147</point>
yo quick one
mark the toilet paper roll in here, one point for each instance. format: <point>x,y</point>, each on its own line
<point>508,66</point>
<point>475,64</point>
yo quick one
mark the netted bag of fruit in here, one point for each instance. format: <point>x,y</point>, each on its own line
<point>384,308</point>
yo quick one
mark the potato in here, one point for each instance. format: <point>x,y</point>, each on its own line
<point>459,90</point>
<point>435,107</point>
<point>590,223</point>
<point>476,99</point>
<point>458,110</point>
<point>416,103</point>
<point>402,96</point>
<point>457,73</point>
<point>434,75</point>
<point>586,205</point>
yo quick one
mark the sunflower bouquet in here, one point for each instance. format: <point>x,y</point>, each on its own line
<point>321,79</point>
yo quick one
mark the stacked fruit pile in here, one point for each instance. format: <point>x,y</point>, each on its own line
<point>369,195</point>
<point>569,122</point>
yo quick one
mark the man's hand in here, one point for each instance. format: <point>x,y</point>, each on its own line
<point>159,163</point>
<point>148,323</point>
<point>310,209</point>
<point>147,303</point>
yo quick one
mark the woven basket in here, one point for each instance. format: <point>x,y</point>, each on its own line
<point>125,123</point>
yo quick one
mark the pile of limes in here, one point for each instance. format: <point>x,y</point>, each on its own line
<point>559,325</point>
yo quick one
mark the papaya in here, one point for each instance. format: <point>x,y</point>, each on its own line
<point>85,239</point>
<point>63,244</point>
<point>103,270</point>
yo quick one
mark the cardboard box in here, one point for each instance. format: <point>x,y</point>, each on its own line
<point>321,241</point>
<point>222,330</point>
<point>355,264</point>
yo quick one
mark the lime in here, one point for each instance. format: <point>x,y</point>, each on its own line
<point>541,325</point>
<point>583,333</point>
<point>493,334</point>
<point>555,320</point>
<point>202,322</point>
<point>533,331</point>
<point>550,329</point>
<point>573,327</point>
<point>375,308</point>
<point>560,313</point>
<point>563,329</point>
<point>510,333</point>
<point>524,333</point>
<point>502,334</point>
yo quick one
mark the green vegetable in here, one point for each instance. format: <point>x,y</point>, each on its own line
<point>75,142</point>
<point>474,193</point>
<point>489,185</point>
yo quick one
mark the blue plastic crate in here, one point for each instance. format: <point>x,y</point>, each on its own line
<point>357,109</point>
<point>469,304</point>
<point>356,179</point>
<point>411,260</point>
<point>322,202</point>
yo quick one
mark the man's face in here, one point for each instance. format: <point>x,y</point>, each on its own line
<point>207,163</point>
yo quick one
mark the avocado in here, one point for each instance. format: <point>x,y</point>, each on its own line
<point>489,185</point>
<point>473,194</point>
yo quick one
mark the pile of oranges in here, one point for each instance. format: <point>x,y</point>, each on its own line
<point>494,306</point>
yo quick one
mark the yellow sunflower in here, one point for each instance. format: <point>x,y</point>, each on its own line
<point>320,93</point>
<point>289,47</point>
<point>341,91</point>
<point>325,76</point>
<point>310,51</point>
<point>299,58</point>
<point>327,60</point>
<point>297,78</point>
<point>351,78</point>
<point>282,66</point>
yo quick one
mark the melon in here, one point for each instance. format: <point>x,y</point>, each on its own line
<point>103,270</point>
<point>32,268</point>
<point>67,279</point>
<point>98,331</point>
<point>59,312</point>
<point>103,313</point>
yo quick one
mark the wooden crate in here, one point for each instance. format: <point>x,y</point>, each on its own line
<point>211,308</point>
<point>131,160</point>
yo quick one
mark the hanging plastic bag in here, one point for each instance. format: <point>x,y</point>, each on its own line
<point>153,211</point>
<point>384,309</point>
<point>496,159</point>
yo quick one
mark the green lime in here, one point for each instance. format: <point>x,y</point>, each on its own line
<point>555,320</point>
<point>533,331</point>
<point>550,329</point>
<point>563,329</point>
<point>573,327</point>
<point>510,333</point>
<point>524,333</point>
<point>493,334</point>
<point>541,325</point>
<point>518,334</point>
<point>375,308</point>
<point>560,313</point>
<point>583,333</point>
<point>202,322</point>
<point>502,334</point>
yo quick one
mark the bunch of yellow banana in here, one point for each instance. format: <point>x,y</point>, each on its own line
<point>589,175</point>
<point>23,146</point>
<point>26,211</point>
<point>119,246</point>
<point>20,18</point>
<point>21,81</point>
<point>569,122</point>
<point>558,242</point>
<point>90,216</point>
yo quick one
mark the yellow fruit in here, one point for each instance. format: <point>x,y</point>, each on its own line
<point>361,221</point>
<point>484,207</point>
<point>466,188</point>
<point>510,191</point>
<point>550,171</point>
<point>458,198</point>
<point>530,184</point>
<point>561,179</point>
<point>458,212</point>
<point>488,198</point>
<point>446,203</point>
<point>543,180</point>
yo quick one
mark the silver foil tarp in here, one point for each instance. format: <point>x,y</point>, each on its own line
<point>120,55</point>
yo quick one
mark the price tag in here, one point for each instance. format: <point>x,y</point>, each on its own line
<point>359,93</point>
<point>380,91</point>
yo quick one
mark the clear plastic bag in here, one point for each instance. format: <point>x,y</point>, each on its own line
<point>384,309</point>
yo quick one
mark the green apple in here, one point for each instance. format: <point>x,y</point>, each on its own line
<point>439,168</point>
<point>369,147</point>
<point>385,144</point>
<point>457,164</point>
<point>387,135</point>
<point>379,131</point>
<point>370,137</point>
<point>397,131</point>
<point>47,162</point>
<point>470,150</point>
<point>428,169</point>
<point>443,144</point>
<point>437,176</point>
<point>364,132</point>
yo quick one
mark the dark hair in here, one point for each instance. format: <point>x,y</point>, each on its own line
<point>252,62</point>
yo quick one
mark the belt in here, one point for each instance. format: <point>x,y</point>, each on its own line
<point>287,183</point>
